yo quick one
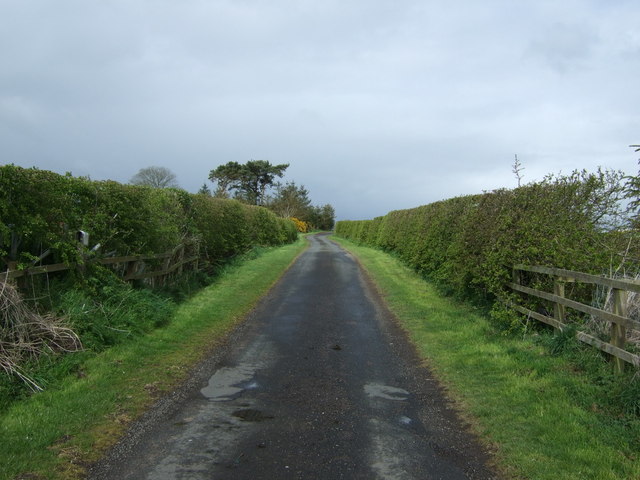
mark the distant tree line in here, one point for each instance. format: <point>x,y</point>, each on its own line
<point>255,183</point>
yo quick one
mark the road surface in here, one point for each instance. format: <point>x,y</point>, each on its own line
<point>318,383</point>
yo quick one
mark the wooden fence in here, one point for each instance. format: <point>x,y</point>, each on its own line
<point>158,268</point>
<point>616,316</point>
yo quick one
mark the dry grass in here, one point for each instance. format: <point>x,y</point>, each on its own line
<point>25,334</point>
<point>603,299</point>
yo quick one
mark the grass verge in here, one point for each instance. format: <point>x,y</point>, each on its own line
<point>56,433</point>
<point>542,415</point>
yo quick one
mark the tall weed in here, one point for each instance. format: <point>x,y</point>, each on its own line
<point>105,311</point>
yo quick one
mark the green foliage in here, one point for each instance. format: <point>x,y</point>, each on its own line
<point>41,210</point>
<point>467,245</point>
<point>632,192</point>
<point>506,319</point>
<point>35,212</point>
<point>107,311</point>
<point>228,227</point>
<point>292,201</point>
<point>250,180</point>
<point>269,229</point>
<point>628,395</point>
<point>133,219</point>
<point>564,340</point>
<point>204,190</point>
<point>321,217</point>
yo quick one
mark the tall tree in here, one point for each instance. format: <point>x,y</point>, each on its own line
<point>632,192</point>
<point>204,190</point>
<point>249,181</point>
<point>327,217</point>
<point>290,200</point>
<point>157,177</point>
<point>322,218</point>
<point>227,177</point>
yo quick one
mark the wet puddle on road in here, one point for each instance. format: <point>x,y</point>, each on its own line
<point>228,382</point>
<point>252,415</point>
<point>385,391</point>
<point>404,420</point>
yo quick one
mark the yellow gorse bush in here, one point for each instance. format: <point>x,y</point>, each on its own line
<point>303,227</point>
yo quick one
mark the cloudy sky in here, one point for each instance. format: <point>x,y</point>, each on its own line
<point>377,105</point>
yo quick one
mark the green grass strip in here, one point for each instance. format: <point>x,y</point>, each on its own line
<point>530,408</point>
<point>54,434</point>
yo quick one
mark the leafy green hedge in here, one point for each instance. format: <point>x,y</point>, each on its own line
<point>468,244</point>
<point>42,210</point>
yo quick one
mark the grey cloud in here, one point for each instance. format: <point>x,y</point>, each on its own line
<point>565,47</point>
<point>376,105</point>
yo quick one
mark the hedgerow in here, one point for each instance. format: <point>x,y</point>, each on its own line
<point>467,245</point>
<point>41,210</point>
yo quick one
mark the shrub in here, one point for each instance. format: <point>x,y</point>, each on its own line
<point>301,226</point>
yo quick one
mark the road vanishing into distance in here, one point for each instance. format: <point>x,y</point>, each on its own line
<point>318,383</point>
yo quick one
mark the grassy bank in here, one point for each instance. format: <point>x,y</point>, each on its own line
<point>54,433</point>
<point>544,415</point>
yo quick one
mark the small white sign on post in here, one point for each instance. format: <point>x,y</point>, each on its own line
<point>83,237</point>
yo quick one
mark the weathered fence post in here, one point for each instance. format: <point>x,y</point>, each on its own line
<point>619,332</point>
<point>20,282</point>
<point>12,265</point>
<point>559,310</point>
<point>515,276</point>
<point>130,269</point>
<point>180,259</point>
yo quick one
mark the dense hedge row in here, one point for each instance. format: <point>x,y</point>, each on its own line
<point>468,244</point>
<point>42,210</point>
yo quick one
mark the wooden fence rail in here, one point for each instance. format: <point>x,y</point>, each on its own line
<point>134,266</point>
<point>617,316</point>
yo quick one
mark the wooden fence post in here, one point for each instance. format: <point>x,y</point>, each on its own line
<point>20,282</point>
<point>515,276</point>
<point>180,259</point>
<point>619,332</point>
<point>130,268</point>
<point>12,265</point>
<point>559,311</point>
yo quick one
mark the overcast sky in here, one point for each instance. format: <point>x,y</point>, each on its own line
<point>377,105</point>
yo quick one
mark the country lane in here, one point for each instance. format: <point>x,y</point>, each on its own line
<point>318,383</point>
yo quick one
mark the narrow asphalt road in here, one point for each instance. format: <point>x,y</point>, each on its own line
<point>319,383</point>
